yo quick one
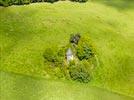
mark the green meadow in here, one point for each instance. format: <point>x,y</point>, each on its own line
<point>27,30</point>
<point>22,87</point>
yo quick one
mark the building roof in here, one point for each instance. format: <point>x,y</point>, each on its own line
<point>69,52</point>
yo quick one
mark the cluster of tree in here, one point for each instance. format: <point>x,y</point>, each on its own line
<point>23,2</point>
<point>79,68</point>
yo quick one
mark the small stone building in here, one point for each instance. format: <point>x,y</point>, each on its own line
<point>69,55</point>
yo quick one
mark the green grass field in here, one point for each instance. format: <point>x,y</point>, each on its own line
<point>25,32</point>
<point>21,87</point>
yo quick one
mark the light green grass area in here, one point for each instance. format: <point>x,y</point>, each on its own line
<point>20,87</point>
<point>25,32</point>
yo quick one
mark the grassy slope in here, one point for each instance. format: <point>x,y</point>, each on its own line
<point>21,87</point>
<point>27,30</point>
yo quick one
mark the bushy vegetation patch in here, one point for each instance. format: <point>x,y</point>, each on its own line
<point>13,2</point>
<point>7,3</point>
<point>54,56</point>
<point>79,72</point>
<point>85,49</point>
<point>80,68</point>
<point>81,1</point>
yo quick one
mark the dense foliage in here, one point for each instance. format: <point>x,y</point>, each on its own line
<point>78,69</point>
<point>79,72</point>
<point>54,56</point>
<point>85,49</point>
<point>7,3</point>
<point>79,0</point>
<point>14,2</point>
<point>22,2</point>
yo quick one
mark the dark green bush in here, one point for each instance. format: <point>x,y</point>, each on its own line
<point>5,3</point>
<point>13,2</point>
<point>33,1</point>
<point>85,49</point>
<point>79,1</point>
<point>50,55</point>
<point>54,55</point>
<point>79,73</point>
<point>51,1</point>
<point>22,2</point>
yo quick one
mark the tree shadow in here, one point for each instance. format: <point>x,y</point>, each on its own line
<point>119,4</point>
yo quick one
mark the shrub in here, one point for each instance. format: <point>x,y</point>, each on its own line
<point>79,73</point>
<point>22,2</point>
<point>13,2</point>
<point>51,1</point>
<point>54,55</point>
<point>34,1</point>
<point>26,1</point>
<point>79,1</point>
<point>85,49</point>
<point>50,55</point>
<point>5,3</point>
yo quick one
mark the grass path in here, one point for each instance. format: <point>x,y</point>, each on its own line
<point>21,87</point>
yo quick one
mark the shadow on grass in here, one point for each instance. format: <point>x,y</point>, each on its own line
<point>119,4</point>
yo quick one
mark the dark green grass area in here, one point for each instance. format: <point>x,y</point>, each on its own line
<point>119,4</point>
<point>26,31</point>
<point>21,87</point>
